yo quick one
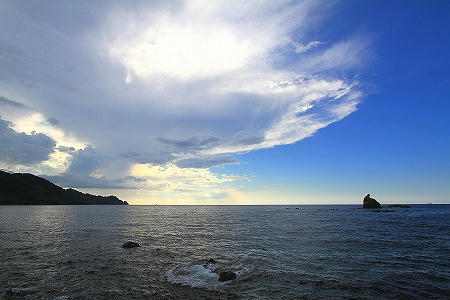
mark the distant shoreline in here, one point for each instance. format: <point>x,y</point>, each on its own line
<point>28,189</point>
<point>226,205</point>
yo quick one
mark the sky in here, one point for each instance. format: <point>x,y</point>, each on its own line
<point>229,102</point>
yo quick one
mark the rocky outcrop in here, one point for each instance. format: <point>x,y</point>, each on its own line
<point>370,202</point>
<point>227,276</point>
<point>400,205</point>
<point>211,261</point>
<point>130,244</point>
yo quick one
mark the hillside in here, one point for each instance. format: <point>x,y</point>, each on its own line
<point>21,188</point>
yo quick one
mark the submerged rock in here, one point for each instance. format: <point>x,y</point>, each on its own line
<point>211,261</point>
<point>130,244</point>
<point>400,205</point>
<point>227,276</point>
<point>370,202</point>
<point>21,291</point>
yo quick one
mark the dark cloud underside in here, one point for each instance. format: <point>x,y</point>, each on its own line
<point>21,148</point>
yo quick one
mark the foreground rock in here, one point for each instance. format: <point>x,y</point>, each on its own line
<point>227,276</point>
<point>400,205</point>
<point>130,244</point>
<point>370,202</point>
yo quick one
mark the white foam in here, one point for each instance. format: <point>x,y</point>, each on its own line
<point>196,276</point>
<point>243,271</point>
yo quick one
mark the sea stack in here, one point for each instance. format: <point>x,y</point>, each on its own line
<point>370,202</point>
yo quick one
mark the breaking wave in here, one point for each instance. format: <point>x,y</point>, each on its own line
<point>196,276</point>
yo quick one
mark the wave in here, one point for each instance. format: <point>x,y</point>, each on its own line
<point>196,276</point>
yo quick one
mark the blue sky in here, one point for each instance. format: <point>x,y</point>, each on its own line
<point>397,145</point>
<point>224,103</point>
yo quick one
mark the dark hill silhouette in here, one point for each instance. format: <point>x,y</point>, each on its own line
<point>22,188</point>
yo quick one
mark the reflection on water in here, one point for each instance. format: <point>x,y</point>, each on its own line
<point>312,251</point>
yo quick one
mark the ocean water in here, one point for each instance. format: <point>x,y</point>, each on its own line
<point>323,252</point>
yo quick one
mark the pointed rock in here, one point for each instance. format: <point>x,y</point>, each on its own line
<point>370,202</point>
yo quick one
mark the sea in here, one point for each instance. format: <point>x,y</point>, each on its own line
<point>277,252</point>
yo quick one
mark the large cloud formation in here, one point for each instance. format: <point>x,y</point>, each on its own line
<point>185,84</point>
<point>18,148</point>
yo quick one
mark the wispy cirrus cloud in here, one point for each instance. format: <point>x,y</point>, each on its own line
<point>301,48</point>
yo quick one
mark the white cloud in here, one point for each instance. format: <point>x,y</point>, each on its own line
<point>26,122</point>
<point>179,50</point>
<point>180,84</point>
<point>35,121</point>
<point>19,148</point>
<point>170,177</point>
<point>301,48</point>
<point>343,56</point>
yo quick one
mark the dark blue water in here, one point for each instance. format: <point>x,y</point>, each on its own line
<point>74,252</point>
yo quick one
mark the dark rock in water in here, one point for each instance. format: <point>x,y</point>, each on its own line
<point>211,261</point>
<point>400,205</point>
<point>370,202</point>
<point>227,276</point>
<point>15,292</point>
<point>130,244</point>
